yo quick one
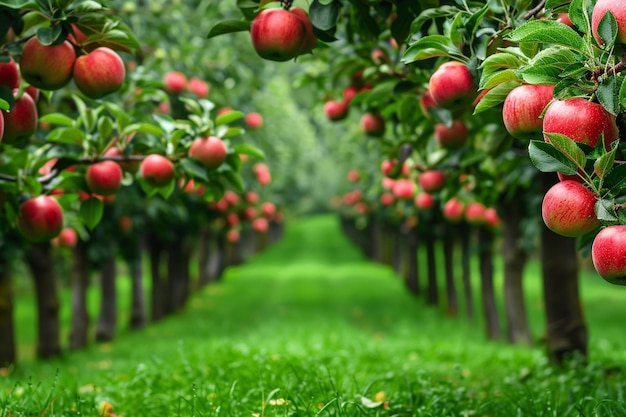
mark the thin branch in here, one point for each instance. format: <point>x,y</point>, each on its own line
<point>535,11</point>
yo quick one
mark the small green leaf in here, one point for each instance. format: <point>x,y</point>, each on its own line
<point>499,78</point>
<point>548,159</point>
<point>247,149</point>
<point>608,93</point>
<point>58,119</point>
<point>105,128</point>
<point>228,26</point>
<point>324,16</point>
<point>548,32</point>
<point>431,47</point>
<point>91,212</point>
<point>568,148</point>
<point>234,179</point>
<point>228,118</point>
<point>69,135</point>
<point>603,165</point>
<point>495,96</point>
<point>49,35</point>
<point>194,168</point>
<point>607,29</point>
<point>429,14</point>
<point>616,177</point>
<point>605,211</point>
<point>143,128</point>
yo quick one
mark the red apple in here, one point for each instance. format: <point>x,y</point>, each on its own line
<point>66,239</point>
<point>453,210</point>
<point>452,86</point>
<point>373,124</point>
<point>9,74</point>
<point>451,137</point>
<point>404,188</point>
<point>232,219</point>
<point>233,236</point>
<point>278,34</point>
<point>608,253</point>
<point>21,122</point>
<point>424,201</point>
<point>564,18</point>
<point>210,151</point>
<point>475,213</point>
<point>379,56</point>
<point>349,93</point>
<point>264,178</point>
<point>249,213</point>
<point>223,110</point>
<point>335,110</point>
<point>104,178</point>
<point>568,209</point>
<point>260,225</point>
<point>125,223</point>
<point>253,120</point>
<point>580,120</point>
<point>522,110</point>
<point>47,67</point>
<point>40,219</point>
<point>361,207</point>
<point>618,9</point>
<point>388,183</point>
<point>199,87</point>
<point>353,175</point>
<point>252,197</point>
<point>175,82</point>
<point>426,102</point>
<point>231,198</point>
<point>99,73</point>
<point>157,170</point>
<point>33,92</point>
<point>387,165</point>
<point>432,181</point>
<point>492,218</point>
<point>387,199</point>
<point>268,209</point>
<point>310,39</point>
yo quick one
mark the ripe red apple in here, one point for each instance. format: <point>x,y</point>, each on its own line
<point>99,73</point>
<point>522,108</point>
<point>260,225</point>
<point>231,198</point>
<point>232,219</point>
<point>33,92</point>
<point>580,120</point>
<point>268,209</point>
<point>47,67</point>
<point>492,218</point>
<point>426,102</point>
<point>199,87</point>
<point>388,183</point>
<point>252,197</point>
<point>40,219</point>
<point>564,18</point>
<point>249,213</point>
<point>432,181</point>
<point>349,93</point>
<point>21,122</point>
<point>157,170</point>
<point>453,210</point>
<point>618,9</point>
<point>404,188</point>
<point>335,110</point>
<point>125,223</point>
<point>361,207</point>
<point>608,253</point>
<point>233,236</point>
<point>387,165</point>
<point>104,178</point>
<point>9,74</point>
<point>387,199</point>
<point>210,151</point>
<point>175,82</point>
<point>310,39</point>
<point>264,178</point>
<point>452,137</point>
<point>379,56</point>
<point>452,86</point>
<point>353,175</point>
<point>278,34</point>
<point>66,239</point>
<point>373,124</point>
<point>424,201</point>
<point>568,209</point>
<point>253,120</point>
<point>475,213</point>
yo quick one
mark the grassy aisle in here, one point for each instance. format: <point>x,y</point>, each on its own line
<point>309,328</point>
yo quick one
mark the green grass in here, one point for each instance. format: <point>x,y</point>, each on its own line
<point>309,328</point>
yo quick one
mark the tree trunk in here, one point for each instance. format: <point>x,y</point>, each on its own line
<point>375,238</point>
<point>448,257</point>
<point>107,320</point>
<point>178,276</point>
<point>276,231</point>
<point>8,353</point>
<point>261,241</point>
<point>399,243</point>
<point>566,332</point>
<point>39,258</point>
<point>221,256</point>
<point>79,335</point>
<point>466,275</point>
<point>432,291</point>
<point>138,304</point>
<point>412,275</point>
<point>485,247</point>
<point>205,252</point>
<point>157,300</point>
<point>387,244</point>
<point>515,257</point>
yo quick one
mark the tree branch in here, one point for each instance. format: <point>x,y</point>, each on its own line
<point>535,11</point>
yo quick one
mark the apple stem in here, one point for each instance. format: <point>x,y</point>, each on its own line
<point>287,4</point>
<point>620,66</point>
<point>535,11</point>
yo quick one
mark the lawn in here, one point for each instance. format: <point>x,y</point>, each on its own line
<point>310,328</point>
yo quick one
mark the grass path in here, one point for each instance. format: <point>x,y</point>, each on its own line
<point>308,328</point>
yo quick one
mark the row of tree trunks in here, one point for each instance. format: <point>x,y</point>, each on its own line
<point>79,335</point>
<point>107,320</point>
<point>8,352</point>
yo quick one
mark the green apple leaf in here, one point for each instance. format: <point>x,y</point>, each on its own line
<point>7,99</point>
<point>250,150</point>
<point>143,128</point>
<point>548,65</point>
<point>429,14</point>
<point>228,26</point>
<point>568,148</point>
<point>431,47</point>
<point>166,190</point>
<point>324,16</point>
<point>608,93</point>
<point>91,212</point>
<point>549,159</point>
<point>88,6</point>
<point>234,179</point>
<point>607,29</point>
<point>228,118</point>
<point>499,78</point>
<point>616,177</point>
<point>194,168</point>
<point>495,96</point>
<point>19,4</point>
<point>48,35</point>
<point>58,119</point>
<point>605,211</point>
<point>68,135</point>
<point>496,63</point>
<point>602,166</point>
<point>548,32</point>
